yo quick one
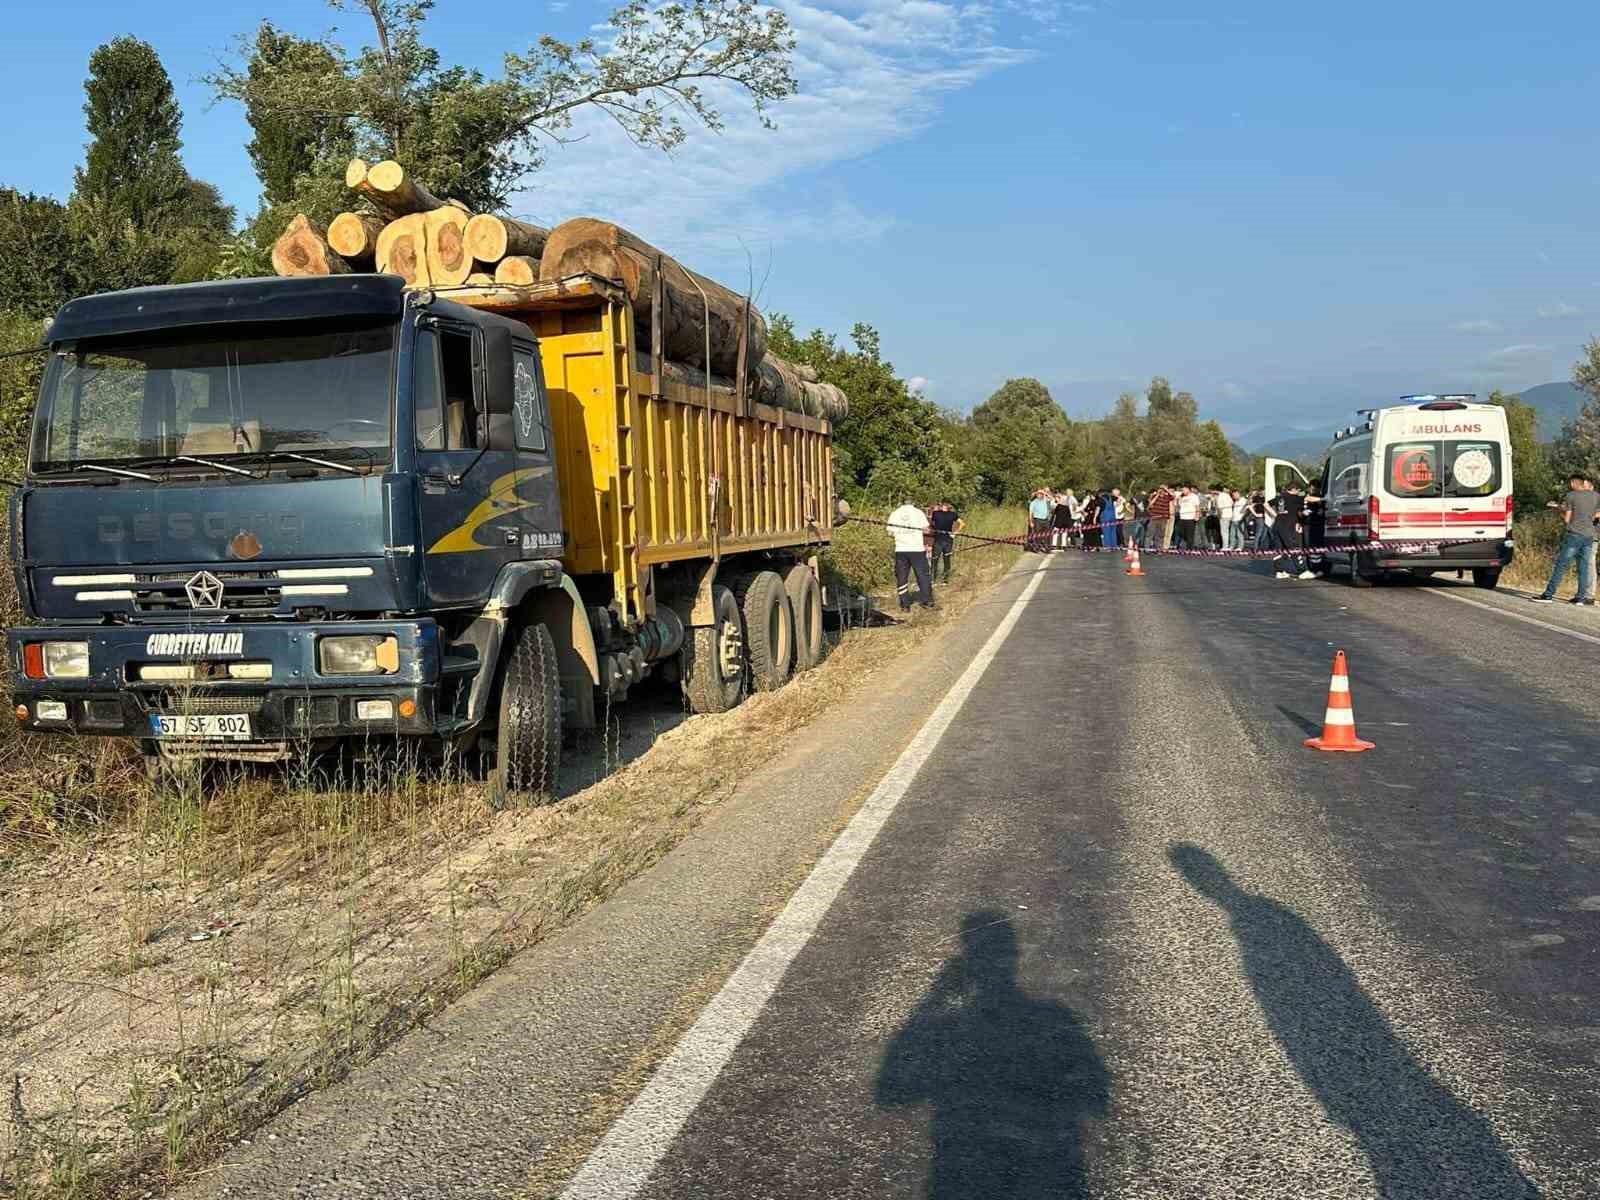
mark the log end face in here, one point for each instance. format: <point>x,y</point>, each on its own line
<point>356,173</point>
<point>486,238</point>
<point>387,176</point>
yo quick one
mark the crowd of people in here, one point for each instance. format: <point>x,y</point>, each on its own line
<point>1175,516</point>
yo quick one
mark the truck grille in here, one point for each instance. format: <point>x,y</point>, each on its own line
<point>244,589</point>
<point>196,704</point>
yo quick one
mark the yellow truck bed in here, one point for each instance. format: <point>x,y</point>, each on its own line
<point>659,471</point>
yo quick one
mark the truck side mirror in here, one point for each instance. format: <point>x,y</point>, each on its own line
<point>499,397</point>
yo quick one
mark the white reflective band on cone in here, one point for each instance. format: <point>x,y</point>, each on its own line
<point>1339,683</point>
<point>1338,716</point>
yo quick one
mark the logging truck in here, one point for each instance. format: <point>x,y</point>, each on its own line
<point>262,517</point>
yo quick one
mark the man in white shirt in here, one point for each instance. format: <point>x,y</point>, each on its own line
<point>908,526</point>
<point>1224,506</point>
<point>1188,518</point>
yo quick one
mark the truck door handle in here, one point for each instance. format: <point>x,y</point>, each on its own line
<point>435,485</point>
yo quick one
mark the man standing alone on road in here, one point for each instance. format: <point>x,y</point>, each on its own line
<point>946,524</point>
<point>907,525</point>
<point>1578,511</point>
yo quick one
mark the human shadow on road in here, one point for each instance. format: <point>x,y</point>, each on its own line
<point>1011,1078</point>
<point>1421,1141</point>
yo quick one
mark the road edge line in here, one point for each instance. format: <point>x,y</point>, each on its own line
<point>639,1139</point>
<point>1505,612</point>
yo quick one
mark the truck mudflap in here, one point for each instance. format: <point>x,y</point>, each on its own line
<point>220,686</point>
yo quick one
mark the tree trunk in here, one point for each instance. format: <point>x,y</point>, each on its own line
<point>519,269</point>
<point>492,238</point>
<point>603,249</point>
<point>786,385</point>
<point>355,236</point>
<point>399,250</point>
<point>395,193</point>
<point>449,260</point>
<point>303,250</point>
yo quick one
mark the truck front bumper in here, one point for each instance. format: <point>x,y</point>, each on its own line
<point>294,699</point>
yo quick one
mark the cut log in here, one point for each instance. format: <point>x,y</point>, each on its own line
<point>517,270</point>
<point>449,260</point>
<point>303,250</point>
<point>356,174</point>
<point>355,236</point>
<point>480,279</point>
<point>399,250</point>
<point>786,385</point>
<point>394,192</point>
<point>601,248</point>
<point>492,238</point>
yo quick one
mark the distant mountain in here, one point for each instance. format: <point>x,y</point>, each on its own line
<point>1557,403</point>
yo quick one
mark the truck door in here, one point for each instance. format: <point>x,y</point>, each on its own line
<point>536,486</point>
<point>467,503</point>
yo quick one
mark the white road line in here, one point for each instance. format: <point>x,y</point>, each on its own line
<point>641,1136</point>
<point>1495,608</point>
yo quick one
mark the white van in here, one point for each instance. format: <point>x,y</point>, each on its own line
<point>1436,468</point>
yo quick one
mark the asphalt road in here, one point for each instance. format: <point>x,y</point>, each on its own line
<point>1117,933</point>
<point>1124,936</point>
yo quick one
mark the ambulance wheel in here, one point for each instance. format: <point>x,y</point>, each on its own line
<point>768,630</point>
<point>1486,577</point>
<point>713,658</point>
<point>805,598</point>
<point>527,743</point>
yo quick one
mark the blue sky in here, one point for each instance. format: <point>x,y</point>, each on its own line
<point>1289,209</point>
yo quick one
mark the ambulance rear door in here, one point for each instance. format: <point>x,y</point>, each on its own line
<point>1349,488</point>
<point>1444,473</point>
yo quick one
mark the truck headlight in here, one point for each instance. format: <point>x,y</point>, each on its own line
<point>369,654</point>
<point>56,660</point>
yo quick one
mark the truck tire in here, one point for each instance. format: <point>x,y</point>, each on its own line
<point>1486,577</point>
<point>527,753</point>
<point>713,658</point>
<point>805,601</point>
<point>768,630</point>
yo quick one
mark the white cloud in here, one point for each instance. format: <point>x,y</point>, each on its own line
<point>1559,311</point>
<point>1520,350</point>
<point>1231,389</point>
<point>917,385</point>
<point>871,72</point>
<point>1479,326</point>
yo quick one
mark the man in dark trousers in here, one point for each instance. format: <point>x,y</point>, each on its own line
<point>946,524</point>
<point>907,525</point>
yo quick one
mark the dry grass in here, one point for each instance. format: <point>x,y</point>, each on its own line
<point>1538,538</point>
<point>178,963</point>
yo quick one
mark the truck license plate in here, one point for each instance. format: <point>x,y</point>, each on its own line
<point>233,728</point>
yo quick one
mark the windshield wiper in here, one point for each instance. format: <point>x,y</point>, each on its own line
<point>211,462</point>
<point>269,455</point>
<point>116,471</point>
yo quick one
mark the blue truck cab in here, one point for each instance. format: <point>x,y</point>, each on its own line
<point>265,515</point>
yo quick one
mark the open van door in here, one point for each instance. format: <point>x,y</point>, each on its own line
<point>1278,471</point>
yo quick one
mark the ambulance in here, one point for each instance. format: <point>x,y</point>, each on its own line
<point>1432,469</point>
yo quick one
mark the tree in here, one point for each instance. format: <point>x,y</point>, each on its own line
<point>1586,371</point>
<point>134,121</point>
<point>1533,481</point>
<point>472,137</point>
<point>1218,452</point>
<point>1578,447</point>
<point>893,439</point>
<point>36,254</point>
<point>1023,438</point>
<point>290,144</point>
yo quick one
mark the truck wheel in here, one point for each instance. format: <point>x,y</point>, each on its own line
<point>713,658</point>
<point>805,601</point>
<point>768,630</point>
<point>1486,577</point>
<point>527,755</point>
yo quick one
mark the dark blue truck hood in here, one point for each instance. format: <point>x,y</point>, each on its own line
<point>129,549</point>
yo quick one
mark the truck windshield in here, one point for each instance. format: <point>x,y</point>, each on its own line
<point>327,392</point>
<point>1422,470</point>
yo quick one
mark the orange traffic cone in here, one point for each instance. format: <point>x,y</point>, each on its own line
<point>1129,553</point>
<point>1339,721</point>
<point>1135,568</point>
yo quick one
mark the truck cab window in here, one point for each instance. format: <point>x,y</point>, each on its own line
<point>528,399</point>
<point>446,407</point>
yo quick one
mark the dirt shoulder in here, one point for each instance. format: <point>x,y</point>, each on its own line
<point>170,981</point>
